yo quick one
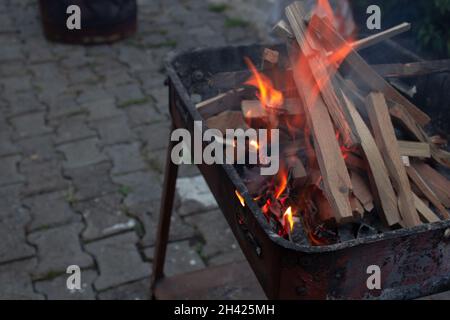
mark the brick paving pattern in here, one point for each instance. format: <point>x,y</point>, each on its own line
<point>83,132</point>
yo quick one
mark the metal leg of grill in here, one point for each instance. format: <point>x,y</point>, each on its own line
<point>167,200</point>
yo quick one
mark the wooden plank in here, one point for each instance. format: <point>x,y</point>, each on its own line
<point>220,103</point>
<point>381,36</point>
<point>227,120</point>
<point>357,207</point>
<point>405,161</point>
<point>426,191</point>
<point>439,184</point>
<point>315,55</point>
<point>412,69</point>
<point>362,191</point>
<point>387,142</point>
<point>283,30</point>
<point>398,112</point>
<point>270,56</point>
<point>424,210</point>
<point>354,162</point>
<point>414,149</point>
<point>383,186</point>
<point>336,179</point>
<point>253,109</point>
<point>364,72</point>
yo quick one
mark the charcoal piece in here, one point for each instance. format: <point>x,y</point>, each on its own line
<point>255,182</point>
<point>298,235</point>
<point>346,232</point>
<point>365,230</point>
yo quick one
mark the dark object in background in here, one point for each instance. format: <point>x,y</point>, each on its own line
<point>430,23</point>
<point>433,94</point>
<point>102,21</point>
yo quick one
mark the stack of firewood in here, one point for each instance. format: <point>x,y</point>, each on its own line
<point>353,125</point>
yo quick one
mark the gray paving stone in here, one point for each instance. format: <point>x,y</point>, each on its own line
<point>139,187</point>
<point>138,290</point>
<point>7,147</point>
<point>104,216</point>
<point>156,160</point>
<point>155,136</point>
<point>15,281</point>
<point>157,80</point>
<point>115,77</point>
<point>38,148</point>
<point>161,98</point>
<point>23,103</point>
<point>195,196</point>
<point>136,58</point>
<point>91,95</point>
<point>38,52</point>
<point>10,53</point>
<point>13,243</point>
<point>58,248</point>
<point>227,257</point>
<point>30,125</point>
<point>215,242</point>
<point>118,260</point>
<point>8,171</point>
<point>82,75</point>
<point>180,258</point>
<point>13,69</point>
<point>50,90</point>
<point>92,181</point>
<point>75,60</point>
<point>179,230</point>
<point>10,200</point>
<point>82,153</point>
<point>49,210</point>
<point>56,288</point>
<point>126,158</point>
<point>72,129</point>
<point>42,177</point>
<point>144,114</point>
<point>13,85</point>
<point>103,109</point>
<point>113,130</point>
<point>106,62</point>
<point>49,71</point>
<point>129,94</point>
<point>63,106</point>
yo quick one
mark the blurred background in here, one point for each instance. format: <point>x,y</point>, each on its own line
<point>84,129</point>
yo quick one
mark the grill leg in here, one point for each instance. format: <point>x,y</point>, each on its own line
<point>170,178</point>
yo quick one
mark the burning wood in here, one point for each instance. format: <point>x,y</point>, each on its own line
<point>414,149</point>
<point>414,69</point>
<point>352,149</point>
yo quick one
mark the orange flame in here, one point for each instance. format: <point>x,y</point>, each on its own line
<point>240,197</point>
<point>282,184</point>
<point>317,70</point>
<point>288,219</point>
<point>267,94</point>
<point>254,144</point>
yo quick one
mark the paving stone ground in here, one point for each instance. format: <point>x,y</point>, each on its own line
<point>83,132</point>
